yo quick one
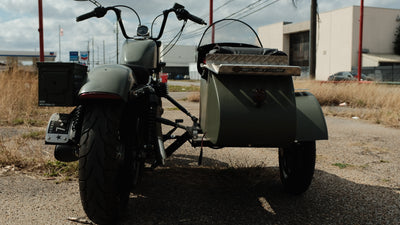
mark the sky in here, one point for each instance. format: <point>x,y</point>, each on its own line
<point>19,21</point>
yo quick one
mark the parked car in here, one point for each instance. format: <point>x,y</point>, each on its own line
<point>363,76</point>
<point>341,76</point>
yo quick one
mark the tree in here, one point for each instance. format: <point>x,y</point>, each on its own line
<point>396,42</point>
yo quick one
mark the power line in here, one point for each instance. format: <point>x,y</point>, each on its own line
<point>241,13</point>
<point>205,16</point>
<point>259,9</point>
<point>231,15</point>
<point>226,3</point>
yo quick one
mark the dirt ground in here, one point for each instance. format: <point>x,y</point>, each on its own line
<point>356,182</point>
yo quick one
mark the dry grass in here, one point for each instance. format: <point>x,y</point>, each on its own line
<point>19,107</point>
<point>18,95</point>
<point>194,97</point>
<point>26,153</point>
<point>19,99</point>
<point>374,102</point>
<point>20,153</point>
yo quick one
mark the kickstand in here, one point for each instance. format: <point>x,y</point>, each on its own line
<point>81,220</point>
<point>200,156</point>
<point>201,151</point>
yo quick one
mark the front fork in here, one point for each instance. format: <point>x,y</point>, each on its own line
<point>154,133</point>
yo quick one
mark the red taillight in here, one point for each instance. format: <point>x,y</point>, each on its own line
<point>99,95</point>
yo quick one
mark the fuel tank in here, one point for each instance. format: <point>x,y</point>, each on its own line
<point>142,53</point>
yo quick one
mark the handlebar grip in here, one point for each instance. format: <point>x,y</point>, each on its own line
<point>86,16</point>
<point>196,19</point>
<point>183,14</point>
<point>97,12</point>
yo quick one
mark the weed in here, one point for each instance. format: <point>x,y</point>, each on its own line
<point>57,168</point>
<point>341,165</point>
<point>172,109</point>
<point>177,88</point>
<point>193,97</point>
<point>17,121</point>
<point>35,123</point>
<point>36,135</point>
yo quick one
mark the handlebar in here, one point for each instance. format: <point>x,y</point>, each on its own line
<point>181,14</point>
<point>179,10</point>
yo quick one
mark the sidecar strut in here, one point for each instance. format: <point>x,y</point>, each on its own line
<point>180,107</point>
<point>191,133</point>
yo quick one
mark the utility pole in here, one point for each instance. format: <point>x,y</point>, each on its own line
<point>313,39</point>
<point>360,44</point>
<point>41,42</point>
<point>59,42</point>
<point>211,21</point>
<point>104,52</point>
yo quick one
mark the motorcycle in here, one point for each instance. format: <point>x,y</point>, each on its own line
<point>114,131</point>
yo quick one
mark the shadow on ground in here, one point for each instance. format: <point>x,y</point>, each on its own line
<point>189,195</point>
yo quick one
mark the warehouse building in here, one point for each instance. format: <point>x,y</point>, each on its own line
<point>178,60</point>
<point>338,41</point>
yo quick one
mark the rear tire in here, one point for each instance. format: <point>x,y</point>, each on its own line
<point>296,166</point>
<point>104,175</point>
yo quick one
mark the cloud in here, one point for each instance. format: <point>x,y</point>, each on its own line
<point>19,20</point>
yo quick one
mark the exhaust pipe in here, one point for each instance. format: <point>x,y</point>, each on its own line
<point>66,153</point>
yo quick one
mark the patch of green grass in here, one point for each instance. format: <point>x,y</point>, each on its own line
<point>57,168</point>
<point>177,88</point>
<point>35,123</point>
<point>360,103</point>
<point>341,165</point>
<point>17,121</point>
<point>172,109</point>
<point>37,135</point>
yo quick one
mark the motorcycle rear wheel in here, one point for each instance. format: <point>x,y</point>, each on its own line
<point>104,177</point>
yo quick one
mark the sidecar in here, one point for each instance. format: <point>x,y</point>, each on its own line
<point>248,99</point>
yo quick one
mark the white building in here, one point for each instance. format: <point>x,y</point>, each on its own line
<point>338,39</point>
<point>18,56</point>
<point>178,60</point>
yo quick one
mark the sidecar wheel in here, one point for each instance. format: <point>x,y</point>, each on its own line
<point>104,177</point>
<point>296,166</point>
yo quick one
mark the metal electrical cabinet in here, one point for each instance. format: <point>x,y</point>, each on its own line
<point>60,82</point>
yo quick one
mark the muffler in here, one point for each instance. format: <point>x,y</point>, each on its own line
<point>66,153</point>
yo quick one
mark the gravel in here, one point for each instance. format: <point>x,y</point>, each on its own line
<point>237,186</point>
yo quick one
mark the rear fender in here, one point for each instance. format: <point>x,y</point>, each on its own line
<point>311,123</point>
<point>108,82</point>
